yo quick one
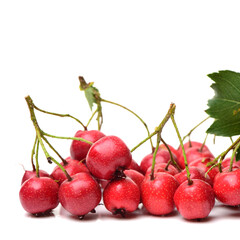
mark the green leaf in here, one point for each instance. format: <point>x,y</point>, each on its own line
<point>224,107</point>
<point>91,93</point>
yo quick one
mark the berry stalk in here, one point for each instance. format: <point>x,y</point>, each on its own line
<point>60,115</point>
<point>36,158</point>
<point>136,115</point>
<point>183,150</point>
<point>190,132</point>
<point>39,136</point>
<point>159,128</point>
<point>32,154</point>
<point>171,157</point>
<point>159,131</point>
<point>67,138</point>
<point>154,156</point>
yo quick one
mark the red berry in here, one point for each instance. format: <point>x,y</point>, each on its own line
<point>79,149</point>
<point>161,167</point>
<point>72,167</point>
<point>121,196</point>
<point>226,163</point>
<point>106,156</point>
<point>39,195</point>
<point>227,187</point>
<point>133,165</point>
<point>157,195</point>
<point>194,201</point>
<point>196,173</point>
<point>194,153</point>
<point>173,150</point>
<point>202,164</point>
<point>29,174</point>
<point>192,144</point>
<point>136,176</point>
<point>162,156</point>
<point>80,195</point>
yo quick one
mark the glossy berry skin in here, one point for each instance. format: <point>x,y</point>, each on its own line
<point>133,165</point>
<point>157,195</point>
<point>194,201</point>
<point>136,176</point>
<point>121,196</point>
<point>39,195</point>
<point>162,156</point>
<point>194,153</point>
<point>29,174</point>
<point>80,195</point>
<point>196,173</point>
<point>192,144</point>
<point>227,187</point>
<point>161,167</point>
<point>226,163</point>
<point>73,167</point>
<point>78,149</point>
<point>172,149</point>
<point>106,156</point>
<point>202,164</point>
<point>225,170</point>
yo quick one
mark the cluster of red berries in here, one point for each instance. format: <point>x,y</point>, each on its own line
<point>106,168</point>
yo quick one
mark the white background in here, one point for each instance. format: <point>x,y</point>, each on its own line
<point>142,54</point>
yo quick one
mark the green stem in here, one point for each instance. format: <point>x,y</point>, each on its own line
<point>159,128</point>
<point>90,119</point>
<point>183,150</point>
<point>154,156</point>
<point>39,136</point>
<point>60,115</point>
<point>223,154</point>
<point>36,157</point>
<point>213,166</point>
<point>69,138</point>
<point>136,115</point>
<point>190,132</point>
<point>204,142</point>
<point>33,152</point>
<point>171,157</point>
<point>50,145</point>
<point>99,116</point>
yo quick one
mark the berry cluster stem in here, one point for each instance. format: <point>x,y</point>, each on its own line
<point>171,157</point>
<point>39,136</point>
<point>33,152</point>
<point>158,131</point>
<point>190,132</point>
<point>171,111</point>
<point>136,115</point>
<point>37,164</point>
<point>154,156</point>
<point>60,115</point>
<point>183,150</point>
<point>218,160</point>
